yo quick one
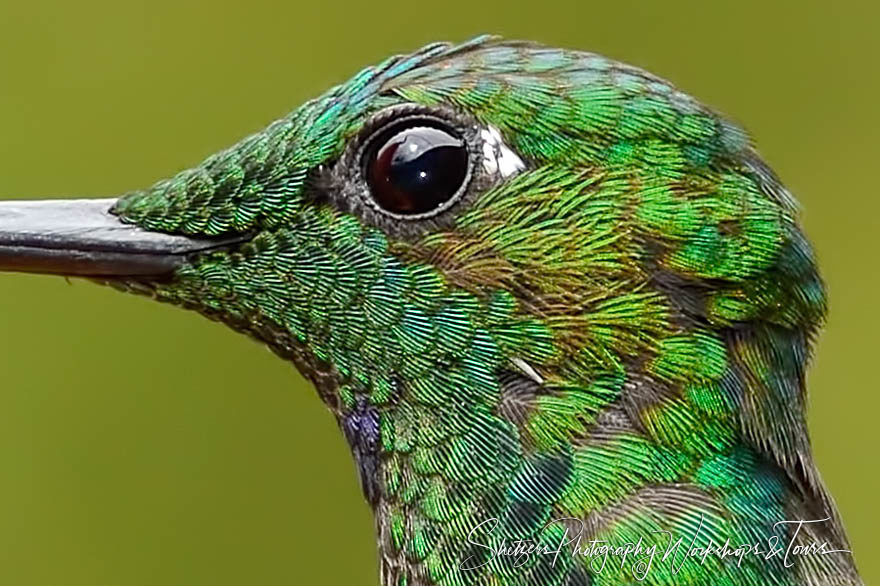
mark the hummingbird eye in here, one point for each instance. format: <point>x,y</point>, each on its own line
<point>416,167</point>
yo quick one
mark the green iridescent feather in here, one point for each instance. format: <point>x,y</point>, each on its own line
<point>617,335</point>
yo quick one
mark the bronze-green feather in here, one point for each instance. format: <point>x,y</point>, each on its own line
<point>605,333</point>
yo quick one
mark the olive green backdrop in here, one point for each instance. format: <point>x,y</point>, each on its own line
<point>143,445</point>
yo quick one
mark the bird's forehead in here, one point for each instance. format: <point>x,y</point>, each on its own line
<point>550,103</point>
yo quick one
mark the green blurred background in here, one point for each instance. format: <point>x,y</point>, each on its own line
<point>140,444</point>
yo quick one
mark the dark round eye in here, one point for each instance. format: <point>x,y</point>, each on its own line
<point>416,166</point>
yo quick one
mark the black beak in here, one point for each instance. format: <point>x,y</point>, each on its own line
<point>81,237</point>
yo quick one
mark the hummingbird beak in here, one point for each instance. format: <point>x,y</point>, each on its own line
<point>81,237</point>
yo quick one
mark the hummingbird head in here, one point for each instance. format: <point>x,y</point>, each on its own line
<point>530,283</point>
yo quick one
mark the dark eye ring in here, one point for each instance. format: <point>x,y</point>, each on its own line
<point>416,167</point>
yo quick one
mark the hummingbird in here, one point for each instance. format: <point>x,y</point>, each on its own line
<point>560,309</point>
